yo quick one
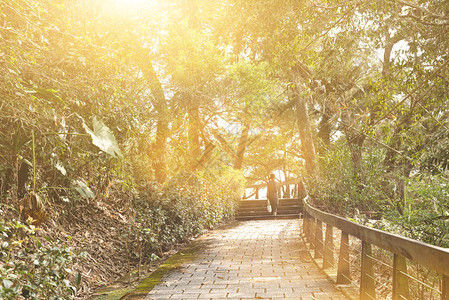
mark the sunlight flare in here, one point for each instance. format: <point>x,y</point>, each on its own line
<point>134,4</point>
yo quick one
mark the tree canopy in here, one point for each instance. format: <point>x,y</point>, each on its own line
<point>350,96</point>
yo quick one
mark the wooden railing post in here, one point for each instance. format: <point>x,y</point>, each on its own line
<point>343,272</point>
<point>286,191</point>
<point>305,226</point>
<point>302,192</point>
<point>445,288</point>
<point>400,280</point>
<point>312,226</point>
<point>367,284</point>
<point>318,239</point>
<point>328,255</point>
<point>257,193</point>
<point>429,256</point>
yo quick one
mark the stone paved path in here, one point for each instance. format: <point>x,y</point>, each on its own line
<point>252,260</point>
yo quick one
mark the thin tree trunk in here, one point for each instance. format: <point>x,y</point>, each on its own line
<point>224,145</point>
<point>243,142</point>
<point>324,131</point>
<point>386,72</point>
<point>194,135</point>
<point>355,142</point>
<point>205,157</point>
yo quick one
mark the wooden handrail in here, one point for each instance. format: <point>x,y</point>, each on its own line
<point>262,185</point>
<point>432,257</point>
<point>298,189</point>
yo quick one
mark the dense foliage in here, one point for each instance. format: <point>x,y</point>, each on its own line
<point>151,111</point>
<point>185,207</point>
<point>32,267</point>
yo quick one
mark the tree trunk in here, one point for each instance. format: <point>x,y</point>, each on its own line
<point>224,145</point>
<point>386,73</point>
<point>159,147</point>
<point>355,142</point>
<point>194,135</point>
<point>243,142</point>
<point>205,157</point>
<point>305,131</point>
<point>324,131</point>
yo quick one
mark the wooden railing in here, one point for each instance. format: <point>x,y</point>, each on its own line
<point>403,249</point>
<point>298,190</point>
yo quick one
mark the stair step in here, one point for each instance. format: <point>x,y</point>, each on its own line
<point>264,206</point>
<point>257,209</point>
<point>281,203</point>
<point>266,214</point>
<point>267,217</point>
<point>262,209</point>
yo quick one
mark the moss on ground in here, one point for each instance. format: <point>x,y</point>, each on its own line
<point>185,255</point>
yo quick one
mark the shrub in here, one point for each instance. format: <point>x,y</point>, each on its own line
<point>425,215</point>
<point>186,206</point>
<point>34,268</point>
<point>346,191</point>
<point>416,207</point>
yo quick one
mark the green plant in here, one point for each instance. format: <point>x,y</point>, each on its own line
<point>425,214</point>
<point>186,206</point>
<point>346,191</point>
<point>34,268</point>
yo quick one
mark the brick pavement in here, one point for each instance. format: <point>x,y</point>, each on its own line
<point>253,260</point>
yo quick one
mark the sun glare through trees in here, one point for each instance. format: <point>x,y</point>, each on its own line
<point>133,4</point>
<point>128,127</point>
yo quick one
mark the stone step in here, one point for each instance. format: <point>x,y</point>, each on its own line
<point>260,208</point>
<point>268,217</point>
<point>281,210</point>
<point>257,209</point>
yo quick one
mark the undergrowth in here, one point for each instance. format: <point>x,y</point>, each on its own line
<point>33,267</point>
<point>415,206</point>
<point>158,218</point>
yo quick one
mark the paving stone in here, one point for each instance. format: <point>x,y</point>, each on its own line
<point>264,259</point>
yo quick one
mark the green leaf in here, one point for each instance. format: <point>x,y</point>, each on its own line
<point>83,189</point>
<point>103,138</point>
<point>66,282</point>
<point>49,94</point>
<point>7,283</point>
<point>78,279</point>
<point>60,168</point>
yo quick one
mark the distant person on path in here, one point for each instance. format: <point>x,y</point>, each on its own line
<point>272,194</point>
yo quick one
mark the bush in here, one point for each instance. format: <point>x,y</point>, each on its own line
<point>425,215</point>
<point>416,207</point>
<point>347,192</point>
<point>34,268</point>
<point>185,207</point>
